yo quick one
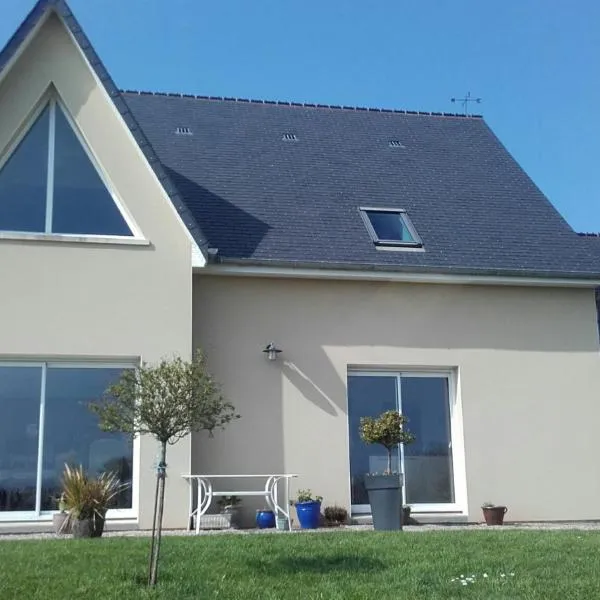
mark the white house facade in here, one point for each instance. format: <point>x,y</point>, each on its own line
<point>399,261</point>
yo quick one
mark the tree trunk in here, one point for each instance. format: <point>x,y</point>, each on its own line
<point>389,465</point>
<point>151,557</point>
<point>158,515</point>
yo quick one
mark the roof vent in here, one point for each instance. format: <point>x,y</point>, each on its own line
<point>183,131</point>
<point>289,137</point>
<point>396,144</point>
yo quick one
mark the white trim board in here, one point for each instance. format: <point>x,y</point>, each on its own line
<point>363,275</point>
<point>24,44</point>
<point>197,257</point>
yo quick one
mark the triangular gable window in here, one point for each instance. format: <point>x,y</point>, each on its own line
<point>49,184</point>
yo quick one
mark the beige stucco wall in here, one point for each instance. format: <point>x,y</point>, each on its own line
<point>528,363</point>
<point>90,300</point>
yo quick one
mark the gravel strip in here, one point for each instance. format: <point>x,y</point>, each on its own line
<point>554,526</point>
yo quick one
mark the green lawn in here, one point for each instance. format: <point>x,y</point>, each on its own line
<point>331,565</point>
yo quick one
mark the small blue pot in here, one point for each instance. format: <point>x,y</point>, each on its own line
<point>309,514</point>
<point>265,519</point>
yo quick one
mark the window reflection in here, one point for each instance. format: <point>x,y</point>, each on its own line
<point>82,204</point>
<point>20,389</point>
<point>23,181</point>
<point>428,460</point>
<point>71,434</point>
<point>368,397</point>
<point>427,463</point>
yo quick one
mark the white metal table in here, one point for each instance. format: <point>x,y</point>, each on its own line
<point>270,492</point>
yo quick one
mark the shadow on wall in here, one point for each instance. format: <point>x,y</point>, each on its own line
<point>233,231</point>
<point>308,317</point>
<point>310,390</point>
<point>254,443</point>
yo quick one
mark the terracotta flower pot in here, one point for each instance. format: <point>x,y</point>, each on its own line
<point>494,515</point>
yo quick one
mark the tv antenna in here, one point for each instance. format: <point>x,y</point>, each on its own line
<point>465,102</point>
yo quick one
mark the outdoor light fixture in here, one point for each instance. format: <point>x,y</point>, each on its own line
<point>271,350</point>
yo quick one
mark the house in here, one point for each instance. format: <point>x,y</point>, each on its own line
<point>399,260</point>
<point>594,242</point>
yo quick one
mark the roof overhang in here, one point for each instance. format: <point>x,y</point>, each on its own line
<point>233,270</point>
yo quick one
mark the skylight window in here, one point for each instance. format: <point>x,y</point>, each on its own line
<point>390,227</point>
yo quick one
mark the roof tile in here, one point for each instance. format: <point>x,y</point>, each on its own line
<point>261,201</point>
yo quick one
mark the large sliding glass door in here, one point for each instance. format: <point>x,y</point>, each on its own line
<point>426,399</point>
<point>19,440</point>
<point>45,423</point>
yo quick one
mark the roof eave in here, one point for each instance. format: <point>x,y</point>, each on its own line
<point>370,272</point>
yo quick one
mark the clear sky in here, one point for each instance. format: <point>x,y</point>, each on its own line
<point>535,64</point>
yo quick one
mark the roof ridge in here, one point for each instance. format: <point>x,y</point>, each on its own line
<point>590,234</point>
<point>302,104</point>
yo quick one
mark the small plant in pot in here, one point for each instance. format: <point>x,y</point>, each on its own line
<point>493,513</point>
<point>86,500</point>
<point>308,509</point>
<point>385,490</point>
<point>335,516</point>
<point>60,520</point>
<point>229,507</point>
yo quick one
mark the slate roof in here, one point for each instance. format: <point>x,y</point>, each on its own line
<point>240,188</point>
<point>263,200</point>
<point>37,13</point>
<point>592,240</point>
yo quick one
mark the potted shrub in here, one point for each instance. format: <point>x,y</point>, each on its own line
<point>308,509</point>
<point>86,500</point>
<point>385,489</point>
<point>493,514</point>
<point>229,507</point>
<point>406,518</point>
<point>335,516</point>
<point>60,520</point>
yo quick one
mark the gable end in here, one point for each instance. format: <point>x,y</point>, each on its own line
<point>40,12</point>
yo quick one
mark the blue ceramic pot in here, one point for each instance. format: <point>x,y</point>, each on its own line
<point>265,519</point>
<point>309,514</point>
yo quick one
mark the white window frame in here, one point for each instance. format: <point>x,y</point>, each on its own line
<point>51,100</point>
<point>46,515</point>
<point>459,506</point>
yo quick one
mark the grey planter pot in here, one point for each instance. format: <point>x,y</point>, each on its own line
<point>88,528</point>
<point>61,523</point>
<point>385,498</point>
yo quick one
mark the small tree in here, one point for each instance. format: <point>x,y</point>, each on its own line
<point>387,430</point>
<point>168,400</point>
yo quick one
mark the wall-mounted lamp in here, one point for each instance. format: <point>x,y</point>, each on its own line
<point>271,350</point>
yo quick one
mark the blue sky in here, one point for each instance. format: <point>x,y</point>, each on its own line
<point>535,63</point>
